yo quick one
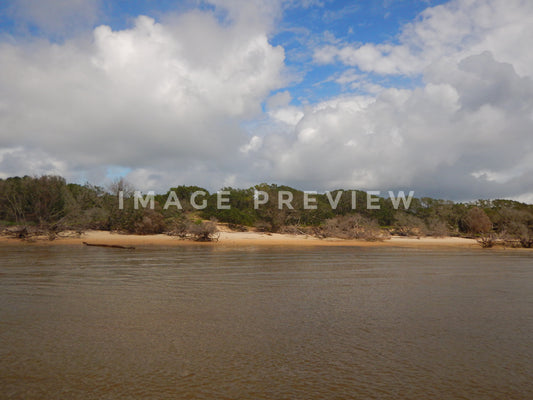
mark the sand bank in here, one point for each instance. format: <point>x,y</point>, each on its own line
<point>246,239</point>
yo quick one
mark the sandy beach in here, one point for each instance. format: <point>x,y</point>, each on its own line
<point>244,239</point>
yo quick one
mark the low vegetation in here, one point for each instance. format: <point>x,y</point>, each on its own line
<point>49,206</point>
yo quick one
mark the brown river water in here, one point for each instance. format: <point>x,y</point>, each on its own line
<point>199,322</point>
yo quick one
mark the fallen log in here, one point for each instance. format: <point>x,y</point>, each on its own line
<point>114,246</point>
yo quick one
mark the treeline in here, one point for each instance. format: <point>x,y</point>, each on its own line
<point>50,204</point>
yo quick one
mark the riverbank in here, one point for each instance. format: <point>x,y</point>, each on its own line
<point>244,239</point>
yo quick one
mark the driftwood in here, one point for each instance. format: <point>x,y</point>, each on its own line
<point>114,246</point>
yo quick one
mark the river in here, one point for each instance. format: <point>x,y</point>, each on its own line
<point>215,322</point>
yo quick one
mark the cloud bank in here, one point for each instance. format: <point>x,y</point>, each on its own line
<point>200,97</point>
<point>169,97</point>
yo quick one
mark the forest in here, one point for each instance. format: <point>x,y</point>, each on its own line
<point>49,205</point>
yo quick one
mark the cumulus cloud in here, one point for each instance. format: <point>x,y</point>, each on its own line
<point>156,96</point>
<point>452,30</point>
<point>464,133</point>
<point>467,131</point>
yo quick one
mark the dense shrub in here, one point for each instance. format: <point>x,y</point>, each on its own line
<point>476,221</point>
<point>408,225</point>
<point>353,226</point>
<point>37,205</point>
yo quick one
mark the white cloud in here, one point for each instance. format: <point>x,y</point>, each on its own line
<point>280,99</point>
<point>287,115</point>
<point>156,96</point>
<point>349,76</point>
<point>15,159</point>
<point>452,30</point>
<point>465,134</point>
<point>253,145</point>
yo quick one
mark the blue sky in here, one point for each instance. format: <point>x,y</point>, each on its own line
<point>433,96</point>
<point>340,21</point>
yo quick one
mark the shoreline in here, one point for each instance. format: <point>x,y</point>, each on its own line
<point>244,239</point>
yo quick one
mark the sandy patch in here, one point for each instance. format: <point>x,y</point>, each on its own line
<point>247,238</point>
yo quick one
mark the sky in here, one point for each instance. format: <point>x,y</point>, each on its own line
<point>423,95</point>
